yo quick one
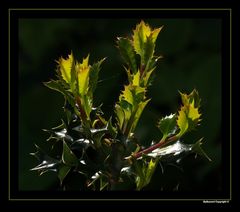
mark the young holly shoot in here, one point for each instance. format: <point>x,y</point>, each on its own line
<point>106,154</point>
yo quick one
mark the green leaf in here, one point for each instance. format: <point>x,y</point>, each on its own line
<point>57,86</point>
<point>112,130</point>
<point>87,104</point>
<point>93,76</point>
<point>68,157</point>
<point>144,172</point>
<point>138,114</point>
<point>190,98</point>
<point>127,110</point>
<point>120,115</point>
<point>146,78</point>
<point>140,35</point>
<point>47,163</point>
<point>144,39</point>
<point>133,94</point>
<point>150,170</point>
<point>148,51</point>
<point>127,52</point>
<point>63,171</point>
<point>198,149</point>
<point>167,125</point>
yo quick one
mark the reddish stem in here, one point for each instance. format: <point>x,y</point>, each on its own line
<point>155,146</point>
<point>81,110</point>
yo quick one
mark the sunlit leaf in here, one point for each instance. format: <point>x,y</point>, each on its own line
<point>127,94</point>
<point>144,172</point>
<point>66,66</point>
<point>189,115</point>
<point>140,34</point>
<point>182,121</point>
<point>83,71</point>
<point>138,114</point>
<point>190,98</point>
<point>136,79</point>
<point>144,39</point>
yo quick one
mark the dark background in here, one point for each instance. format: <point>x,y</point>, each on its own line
<point>191,50</point>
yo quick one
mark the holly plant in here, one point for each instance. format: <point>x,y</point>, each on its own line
<point>106,154</point>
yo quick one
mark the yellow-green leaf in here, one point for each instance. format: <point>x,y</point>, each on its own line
<point>182,121</point>
<point>138,114</point>
<point>136,79</point>
<point>66,67</point>
<point>155,33</point>
<point>83,71</point>
<point>127,94</point>
<point>193,112</point>
<point>140,35</point>
<point>147,77</point>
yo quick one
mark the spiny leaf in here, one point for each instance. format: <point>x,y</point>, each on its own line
<point>146,78</point>
<point>127,52</point>
<point>93,76</point>
<point>150,170</point>
<point>66,67</point>
<point>120,115</point>
<point>193,112</point>
<point>182,122</point>
<point>167,125</point>
<point>57,86</point>
<point>133,94</point>
<point>68,157</point>
<point>127,94</point>
<point>83,71</point>
<point>47,163</point>
<point>188,116</point>
<point>138,114</point>
<point>136,79</point>
<point>140,35</point>
<point>63,171</point>
<point>198,149</point>
<point>190,98</point>
<point>144,39</point>
<point>144,172</point>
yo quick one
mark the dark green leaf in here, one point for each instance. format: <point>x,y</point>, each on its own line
<point>63,171</point>
<point>128,54</point>
<point>68,157</point>
<point>198,149</point>
<point>93,77</point>
<point>56,85</point>
<point>47,163</point>
<point>167,125</point>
